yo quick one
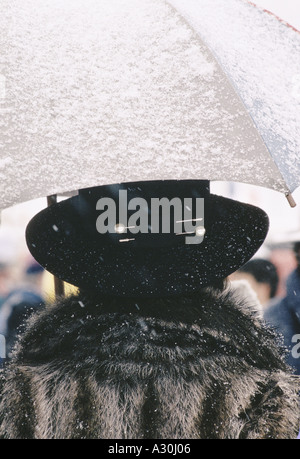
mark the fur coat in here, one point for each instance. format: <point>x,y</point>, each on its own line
<point>202,366</point>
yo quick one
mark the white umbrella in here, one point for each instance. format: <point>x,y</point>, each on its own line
<point>95,92</point>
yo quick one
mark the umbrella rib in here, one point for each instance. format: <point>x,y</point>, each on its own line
<point>189,21</point>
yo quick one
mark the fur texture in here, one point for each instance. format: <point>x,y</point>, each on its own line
<point>202,366</point>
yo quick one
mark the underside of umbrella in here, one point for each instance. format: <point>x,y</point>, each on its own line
<point>99,92</point>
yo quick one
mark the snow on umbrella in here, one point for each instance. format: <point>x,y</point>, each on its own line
<point>98,92</point>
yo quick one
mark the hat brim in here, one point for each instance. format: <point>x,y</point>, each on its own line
<point>236,232</point>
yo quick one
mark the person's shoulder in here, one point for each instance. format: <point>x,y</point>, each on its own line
<point>45,331</point>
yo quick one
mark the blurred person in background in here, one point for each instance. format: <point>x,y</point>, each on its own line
<point>262,276</point>
<point>9,262</point>
<point>20,303</point>
<point>4,281</point>
<point>284,315</point>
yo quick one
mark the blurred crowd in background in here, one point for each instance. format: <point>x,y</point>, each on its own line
<point>25,286</point>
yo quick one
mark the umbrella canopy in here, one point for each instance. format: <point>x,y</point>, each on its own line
<point>107,91</point>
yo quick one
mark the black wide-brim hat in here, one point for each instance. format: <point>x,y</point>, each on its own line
<point>65,240</point>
